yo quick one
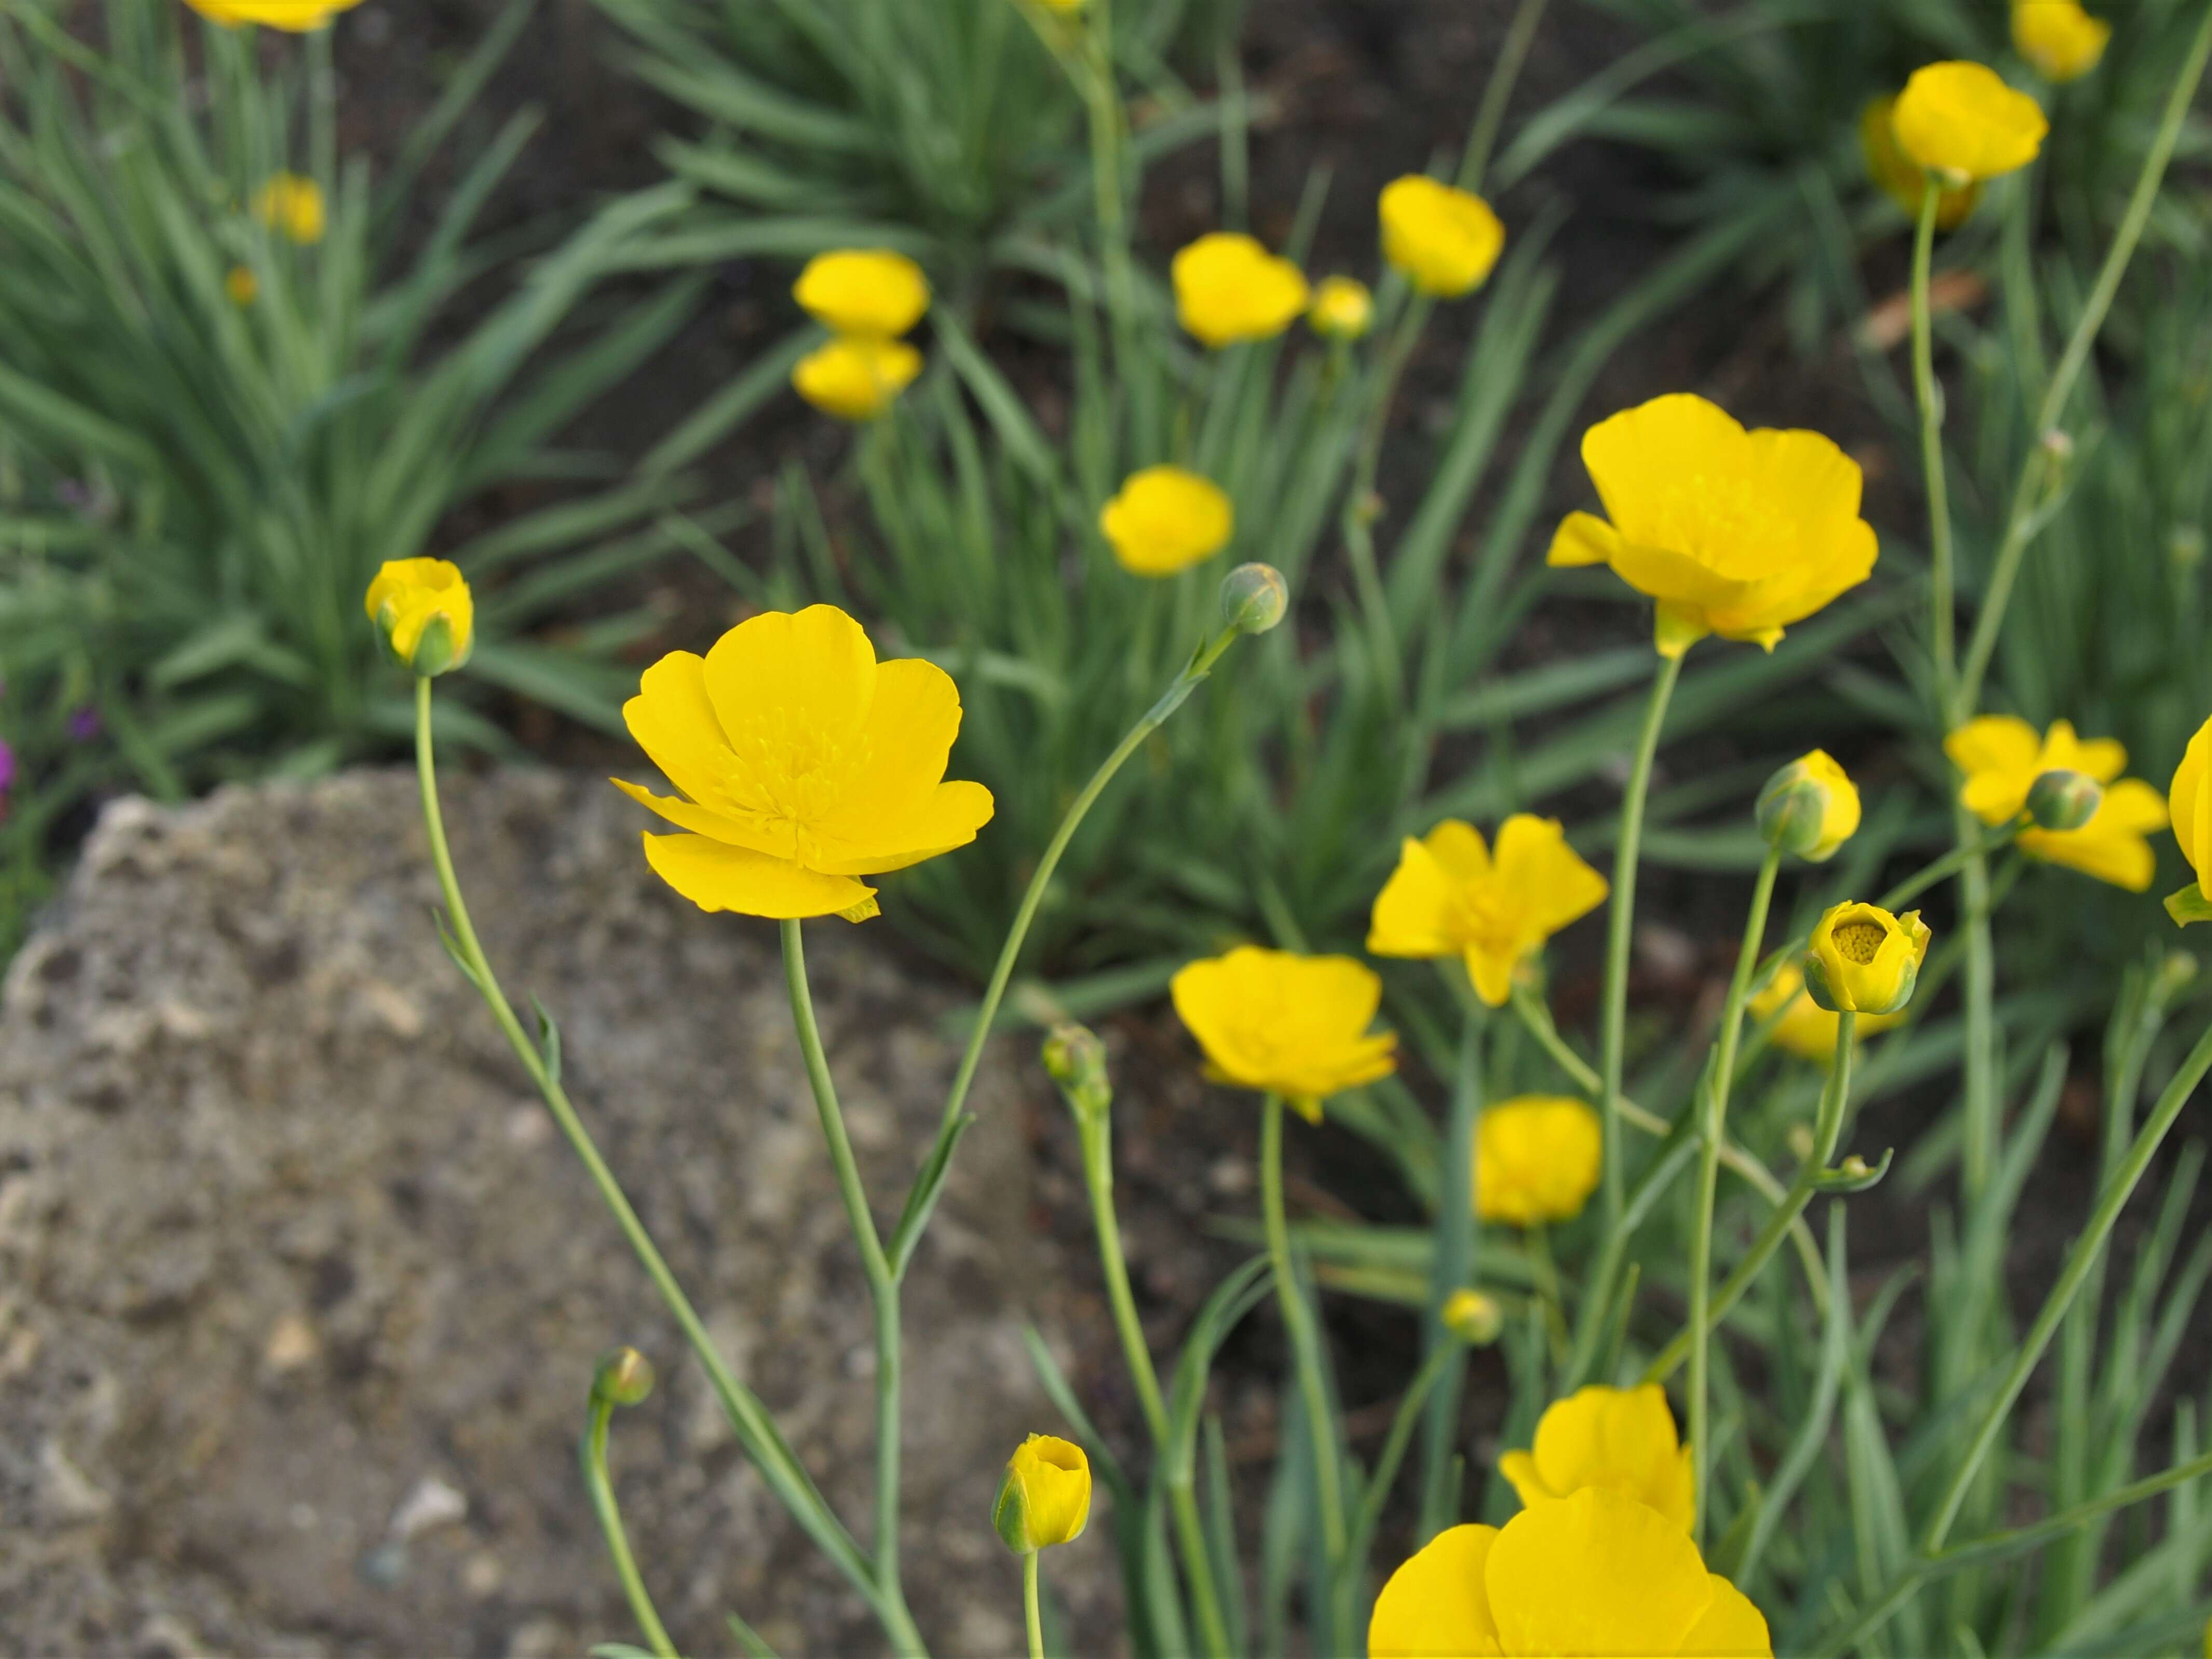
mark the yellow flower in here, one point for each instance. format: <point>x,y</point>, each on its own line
<point>2001,757</point>
<point>1228,288</point>
<point>242,285</point>
<point>1449,897</point>
<point>294,16</point>
<point>870,292</point>
<point>2061,39</point>
<point>292,204</point>
<point>423,613</point>
<point>1806,1030</point>
<point>1596,1573</point>
<point>807,764</point>
<point>1864,960</point>
<point>1962,122</point>
<point>1343,309</point>
<point>1622,1439</point>
<point>1899,176</point>
<point>1809,808</point>
<point>1734,532</point>
<point>1286,1025</point>
<point>1537,1159</point>
<point>854,377</point>
<point>2192,826</point>
<point>1045,1499</point>
<point>1166,520</point>
<point>1444,241</point>
<point>1472,1316</point>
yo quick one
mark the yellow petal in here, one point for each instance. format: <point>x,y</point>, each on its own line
<point>1458,845</point>
<point>1960,119</point>
<point>950,818</point>
<point>1554,885</point>
<point>1436,1606</point>
<point>1583,538</point>
<point>674,722</point>
<point>1597,1573</point>
<point>2191,793</point>
<point>1490,968</point>
<point>866,291</point>
<point>791,690</point>
<point>895,761</point>
<point>1538,1159</point>
<point>771,836</point>
<point>1413,911</point>
<point>717,877</point>
<point>1521,1472</point>
<point>1731,1629</point>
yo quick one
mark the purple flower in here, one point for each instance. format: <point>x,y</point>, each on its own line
<point>7,767</point>
<point>84,724</point>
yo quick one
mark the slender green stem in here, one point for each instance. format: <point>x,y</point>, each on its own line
<point>1368,1519</point>
<point>1305,1341</point>
<point>1978,1152</point>
<point>1457,1237</point>
<point>1620,920</point>
<point>601,1488</point>
<point>1716,1093</point>
<point>1826,1130</point>
<point>756,1431</point>
<point>1497,94</point>
<point>1941,605</point>
<point>1032,1613</point>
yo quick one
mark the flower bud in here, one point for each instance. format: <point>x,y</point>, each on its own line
<point>1075,1059</point>
<point>1473,1317</point>
<point>1343,309</point>
<point>624,1378</point>
<point>1864,960</point>
<point>1253,598</point>
<point>424,615</point>
<point>1045,1499</point>
<point>1809,808</point>
<point>2063,799</point>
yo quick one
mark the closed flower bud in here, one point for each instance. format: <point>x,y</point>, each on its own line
<point>2061,39</point>
<point>1473,1317</point>
<point>868,293</point>
<point>1253,598</point>
<point>1444,241</point>
<point>1809,808</point>
<point>1045,1499</point>
<point>1864,960</point>
<point>1343,309</point>
<point>2063,799</point>
<point>624,1378</point>
<point>1076,1061</point>
<point>423,614</point>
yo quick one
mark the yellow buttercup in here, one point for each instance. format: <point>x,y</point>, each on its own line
<point>869,292</point>
<point>1805,1029</point>
<point>1623,1439</point>
<point>1442,239</point>
<point>1863,960</point>
<point>1902,179</point>
<point>294,16</point>
<point>1962,122</point>
<point>1343,309</point>
<point>1165,520</point>
<point>2061,41</point>
<point>423,611</point>
<point>856,377</point>
<point>1228,288</point>
<point>1045,1499</point>
<point>292,204</point>
<point>2000,756</point>
<point>1537,1160</point>
<point>1286,1025</point>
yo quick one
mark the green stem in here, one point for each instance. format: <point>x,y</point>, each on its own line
<point>1826,1130</point>
<point>1032,1613</point>
<point>1306,1342</point>
<point>596,1482</point>
<point>1620,917</point>
<point>1368,1519</point>
<point>756,1431</point>
<point>1482,138</point>
<point>1979,1153</point>
<point>1708,1172</point>
<point>882,1284</point>
<point>1457,1237</point>
<point>1943,623</point>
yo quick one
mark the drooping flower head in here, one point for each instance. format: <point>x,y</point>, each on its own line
<point>1805,1029</point>
<point>292,204</point>
<point>1537,1160</point>
<point>1045,1499</point>
<point>856,377</point>
<point>1961,121</point>
<point>804,764</point>
<point>1902,179</point>
<point>869,292</point>
<point>293,16</point>
<point>1444,240</point>
<point>1809,808</point>
<point>1622,1439</point>
<point>1450,897</point>
<point>1286,1025</point>
<point>1597,1573</point>
<point>1734,532</point>
<point>424,614</point>
<point>1343,309</point>
<point>1229,288</point>
<point>2001,757</point>
<point>2061,41</point>
<point>1863,960</point>
<point>1166,520</point>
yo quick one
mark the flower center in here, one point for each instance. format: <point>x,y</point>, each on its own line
<point>1857,941</point>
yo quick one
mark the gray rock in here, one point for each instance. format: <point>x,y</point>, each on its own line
<point>301,1291</point>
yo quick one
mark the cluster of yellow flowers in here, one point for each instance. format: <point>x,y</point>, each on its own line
<point>867,298</point>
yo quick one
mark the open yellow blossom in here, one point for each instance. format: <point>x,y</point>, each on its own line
<point>1537,1160</point>
<point>1445,240</point>
<point>2061,39</point>
<point>292,204</point>
<point>294,16</point>
<point>856,377</point>
<point>1902,179</point>
<point>1622,1439</point>
<point>1734,532</point>
<point>1343,309</point>
<point>1450,897</point>
<point>1597,1573</point>
<point>241,286</point>
<point>870,292</point>
<point>803,763</point>
<point>1864,960</point>
<point>1805,1029</point>
<point>1961,121</point>
<point>1165,520</point>
<point>2001,757</point>
<point>1229,288</point>
<point>423,612</point>
<point>1286,1025</point>
<point>1045,1499</point>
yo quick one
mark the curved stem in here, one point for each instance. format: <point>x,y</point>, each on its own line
<point>1032,1613</point>
<point>1497,92</point>
<point>1941,605</point>
<point>597,1483</point>
<point>1306,1342</point>
<point>1620,918</point>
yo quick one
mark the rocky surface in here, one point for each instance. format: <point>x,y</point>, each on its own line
<point>300,1290</point>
